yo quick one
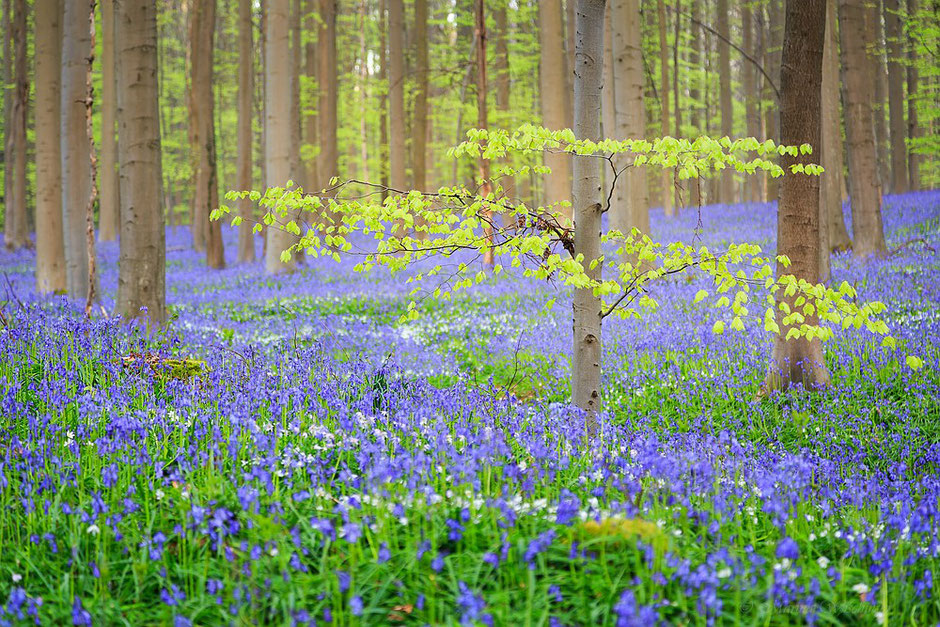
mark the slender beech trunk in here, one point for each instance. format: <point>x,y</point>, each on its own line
<point>879,95</point>
<point>16,233</point>
<point>76,167</point>
<point>206,197</point>
<point>383,99</point>
<point>50,251</point>
<point>7,77</point>
<point>311,123</point>
<point>608,106</point>
<point>857,87</point>
<point>141,282</point>
<point>677,118</point>
<point>726,182</point>
<point>501,67</point>
<point>896,97</point>
<point>749,84</point>
<point>246,72</point>
<point>570,6</point>
<point>109,204</point>
<point>89,101</point>
<point>695,93</point>
<point>630,203</point>
<point>277,122</point>
<point>296,124</point>
<point>364,89</point>
<point>587,306</point>
<point>421,97</point>
<point>483,165</point>
<point>832,155</point>
<point>665,178</point>
<point>800,361</point>
<point>913,128</point>
<point>775,23</point>
<point>552,72</point>
<point>328,165</point>
<point>396,94</point>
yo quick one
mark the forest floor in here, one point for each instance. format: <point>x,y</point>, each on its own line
<point>288,451</point>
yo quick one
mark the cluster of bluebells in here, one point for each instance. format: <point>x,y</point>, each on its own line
<point>331,461</point>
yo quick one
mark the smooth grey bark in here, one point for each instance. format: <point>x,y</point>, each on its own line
<point>586,203</point>
<point>726,178</point>
<point>857,87</point>
<point>277,123</point>
<point>800,361</point>
<point>246,72</point>
<point>141,265</point>
<point>16,231</point>
<point>896,97</point>
<point>396,94</point>
<point>76,166</point>
<point>50,251</point>
<point>553,98</point>
<point>914,131</point>
<point>109,200</point>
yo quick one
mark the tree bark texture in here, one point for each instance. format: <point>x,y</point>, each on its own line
<point>666,190</point>
<point>246,73</point>
<point>857,87</point>
<point>501,70</point>
<point>775,24</point>
<point>421,95</point>
<point>141,282</point>
<point>50,251</point>
<point>630,203</point>
<point>586,200</point>
<point>896,97</point>
<point>832,154</point>
<point>913,128</point>
<point>800,361</point>
<point>76,167</point>
<point>16,232</point>
<point>879,95</point>
<point>553,95</point>
<point>311,123</point>
<point>396,94</point>
<point>726,179</point>
<point>277,123</point>
<point>109,202</point>
<point>749,84</point>
<point>206,196</point>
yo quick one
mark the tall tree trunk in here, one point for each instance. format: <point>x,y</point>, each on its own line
<point>608,106</point>
<point>76,167</point>
<point>630,207</point>
<point>396,94</point>
<point>92,297</point>
<point>109,203</point>
<point>677,117</point>
<point>772,52</point>
<point>569,61</point>
<point>695,93</point>
<point>16,233</point>
<point>141,282</point>
<point>50,251</point>
<point>246,71</point>
<point>553,95</point>
<point>501,67</point>
<point>421,96</point>
<point>913,128</point>
<point>587,306</point>
<point>726,185</point>
<point>383,99</point>
<point>364,88</point>
<point>857,87</point>
<point>296,124</point>
<point>483,166</point>
<point>665,178</point>
<point>877,61</point>
<point>749,84</point>
<point>832,153</point>
<point>800,361</point>
<point>277,122</point>
<point>206,197</point>
<point>7,77</point>
<point>896,97</point>
<point>312,123</point>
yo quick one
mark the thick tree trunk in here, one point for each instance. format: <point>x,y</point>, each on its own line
<point>665,179</point>
<point>277,122</point>
<point>587,306</point>
<point>552,71</point>
<point>109,202</point>
<point>16,234</point>
<point>913,128</point>
<point>141,282</point>
<point>206,196</point>
<point>421,95</point>
<point>749,84</point>
<point>726,180</point>
<point>76,167</point>
<point>7,77</point>
<point>857,87</point>
<point>50,252</point>
<point>246,71</point>
<point>833,234</point>
<point>800,361</point>
<point>896,97</point>
<point>630,202</point>
<point>396,94</point>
